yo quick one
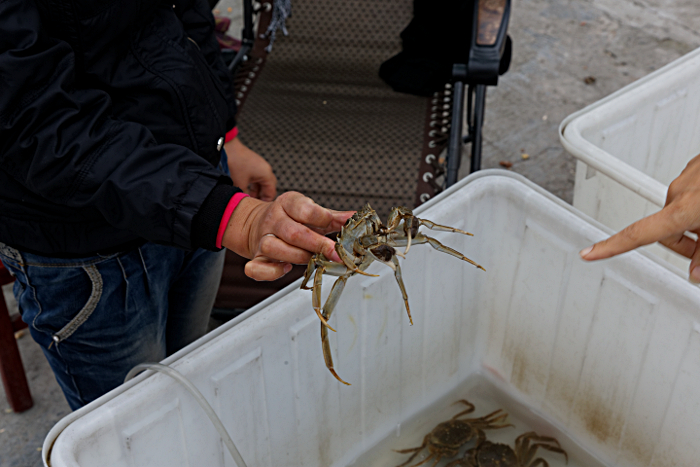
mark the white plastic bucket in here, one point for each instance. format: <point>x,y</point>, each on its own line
<point>632,144</point>
<point>605,355</point>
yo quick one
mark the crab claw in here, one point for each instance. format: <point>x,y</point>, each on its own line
<point>347,261</point>
<point>364,273</point>
<point>332,370</point>
<point>323,320</point>
<point>408,221</point>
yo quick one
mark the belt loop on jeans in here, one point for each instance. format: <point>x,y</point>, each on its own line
<point>11,253</point>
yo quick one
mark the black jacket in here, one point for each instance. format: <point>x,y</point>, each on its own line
<point>110,114</point>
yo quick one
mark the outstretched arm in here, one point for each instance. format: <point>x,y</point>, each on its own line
<point>681,214</point>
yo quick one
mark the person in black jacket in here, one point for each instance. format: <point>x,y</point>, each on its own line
<point>117,135</point>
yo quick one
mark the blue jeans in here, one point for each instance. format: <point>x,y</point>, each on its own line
<point>95,318</point>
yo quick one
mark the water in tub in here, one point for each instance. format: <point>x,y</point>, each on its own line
<point>486,398</point>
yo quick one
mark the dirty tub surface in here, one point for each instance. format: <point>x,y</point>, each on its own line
<point>632,144</point>
<point>607,353</point>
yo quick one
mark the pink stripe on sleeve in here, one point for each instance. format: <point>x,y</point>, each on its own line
<point>231,134</point>
<point>232,204</point>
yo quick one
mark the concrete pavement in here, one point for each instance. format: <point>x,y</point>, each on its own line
<point>558,44</point>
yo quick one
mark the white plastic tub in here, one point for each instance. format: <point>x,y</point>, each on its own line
<point>633,143</point>
<point>605,356</point>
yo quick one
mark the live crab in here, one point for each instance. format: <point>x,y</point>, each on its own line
<point>362,240</point>
<point>446,439</point>
<point>488,454</point>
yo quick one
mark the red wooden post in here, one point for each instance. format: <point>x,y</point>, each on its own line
<point>13,378</point>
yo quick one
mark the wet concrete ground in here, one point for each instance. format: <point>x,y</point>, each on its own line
<point>558,44</point>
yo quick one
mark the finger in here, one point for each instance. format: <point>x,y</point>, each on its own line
<point>694,268</point>
<point>331,254</point>
<point>302,237</point>
<point>318,230</point>
<point>305,211</point>
<point>253,190</point>
<point>278,250</point>
<point>263,269</point>
<point>681,244</point>
<point>268,189</point>
<point>648,230</point>
<point>339,220</point>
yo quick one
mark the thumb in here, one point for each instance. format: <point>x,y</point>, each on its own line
<point>328,249</point>
<point>262,268</point>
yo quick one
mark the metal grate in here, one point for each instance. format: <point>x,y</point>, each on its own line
<point>323,118</point>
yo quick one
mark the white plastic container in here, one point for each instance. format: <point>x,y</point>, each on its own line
<point>632,144</point>
<point>605,355</point>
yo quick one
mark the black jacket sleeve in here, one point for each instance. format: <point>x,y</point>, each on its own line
<point>199,24</point>
<point>59,140</point>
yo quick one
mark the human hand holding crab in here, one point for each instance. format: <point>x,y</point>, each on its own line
<point>277,234</point>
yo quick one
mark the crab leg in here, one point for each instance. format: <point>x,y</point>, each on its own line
<point>420,238</point>
<point>493,421</point>
<point>326,267</point>
<point>394,264</point>
<point>469,409</point>
<point>533,449</point>
<point>309,271</point>
<point>332,299</point>
<point>347,260</point>
<point>327,311</point>
<point>440,228</point>
<point>415,451</point>
<point>490,420</point>
<point>432,226</point>
<point>316,295</point>
<point>527,451</point>
<point>318,279</point>
<point>399,280</point>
